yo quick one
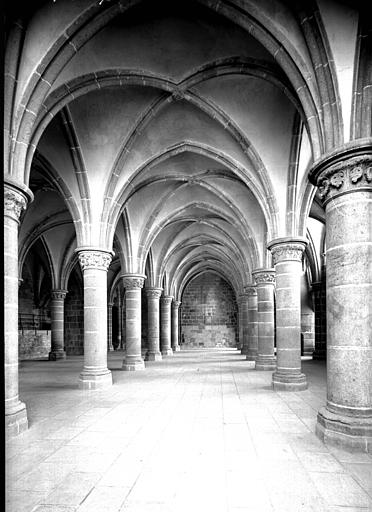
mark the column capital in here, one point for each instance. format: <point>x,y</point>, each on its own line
<point>58,294</point>
<point>14,202</point>
<point>176,304</point>
<point>110,304</point>
<point>166,299</point>
<point>91,257</point>
<point>133,281</point>
<point>153,292</point>
<point>287,249</point>
<point>250,290</point>
<point>264,276</point>
<point>342,172</point>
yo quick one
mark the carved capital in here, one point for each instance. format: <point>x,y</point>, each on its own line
<point>250,290</point>
<point>94,259</point>
<point>14,203</point>
<point>153,293</point>
<point>353,173</point>
<point>58,294</point>
<point>166,300</point>
<point>133,281</point>
<point>264,276</point>
<point>176,304</point>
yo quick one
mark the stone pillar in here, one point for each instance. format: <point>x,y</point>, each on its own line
<point>345,185</point>
<point>265,281</point>
<point>119,338</point>
<point>165,325</point>
<point>240,301</point>
<point>133,284</point>
<point>110,346</point>
<point>15,410</point>
<point>57,309</point>
<point>320,317</point>
<point>174,326</point>
<point>243,322</point>
<point>94,264</point>
<point>287,256</point>
<point>252,326</point>
<point>153,328</point>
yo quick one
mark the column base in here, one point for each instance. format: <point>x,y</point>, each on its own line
<point>132,365</point>
<point>251,356</point>
<point>289,382</point>
<point>16,420</point>
<point>353,434</point>
<point>56,355</point>
<point>154,356</point>
<point>167,352</point>
<point>177,348</point>
<point>95,380</point>
<point>111,349</point>
<point>265,363</point>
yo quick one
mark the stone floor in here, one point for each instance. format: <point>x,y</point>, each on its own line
<point>199,431</point>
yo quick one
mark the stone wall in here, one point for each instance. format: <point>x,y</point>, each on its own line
<point>209,313</point>
<point>34,344</point>
<point>74,320</point>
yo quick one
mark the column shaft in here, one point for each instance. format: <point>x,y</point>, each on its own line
<point>174,327</point>
<point>57,309</point>
<point>15,410</point>
<point>153,328</point>
<point>94,264</point>
<point>110,346</point>
<point>133,284</point>
<point>252,325</point>
<point>243,322</point>
<point>265,280</point>
<point>345,184</point>
<point>287,256</point>
<point>165,325</point>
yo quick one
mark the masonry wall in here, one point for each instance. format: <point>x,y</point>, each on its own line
<point>74,319</point>
<point>209,313</point>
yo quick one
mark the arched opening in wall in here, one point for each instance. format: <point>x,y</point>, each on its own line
<point>34,321</point>
<point>209,313</point>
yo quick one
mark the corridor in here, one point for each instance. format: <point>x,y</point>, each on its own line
<point>200,431</point>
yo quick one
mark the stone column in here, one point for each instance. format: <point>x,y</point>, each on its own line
<point>15,410</point>
<point>320,317</point>
<point>240,302</point>
<point>243,322</point>
<point>57,309</point>
<point>252,326</point>
<point>265,281</point>
<point>94,264</point>
<point>287,256</point>
<point>110,346</point>
<point>174,326</point>
<point>345,186</point>
<point>119,338</point>
<point>153,328</point>
<point>165,325</point>
<point>133,284</point>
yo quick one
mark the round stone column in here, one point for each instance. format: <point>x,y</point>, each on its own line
<point>133,284</point>
<point>153,328</point>
<point>110,346</point>
<point>119,336</point>
<point>240,300</point>
<point>174,327</point>
<point>243,318</point>
<point>287,256</point>
<point>15,411</point>
<point>345,186</point>
<point>94,264</point>
<point>165,325</point>
<point>57,309</point>
<point>252,325</point>
<point>265,281</point>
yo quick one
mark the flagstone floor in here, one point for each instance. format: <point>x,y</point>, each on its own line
<point>198,431</point>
